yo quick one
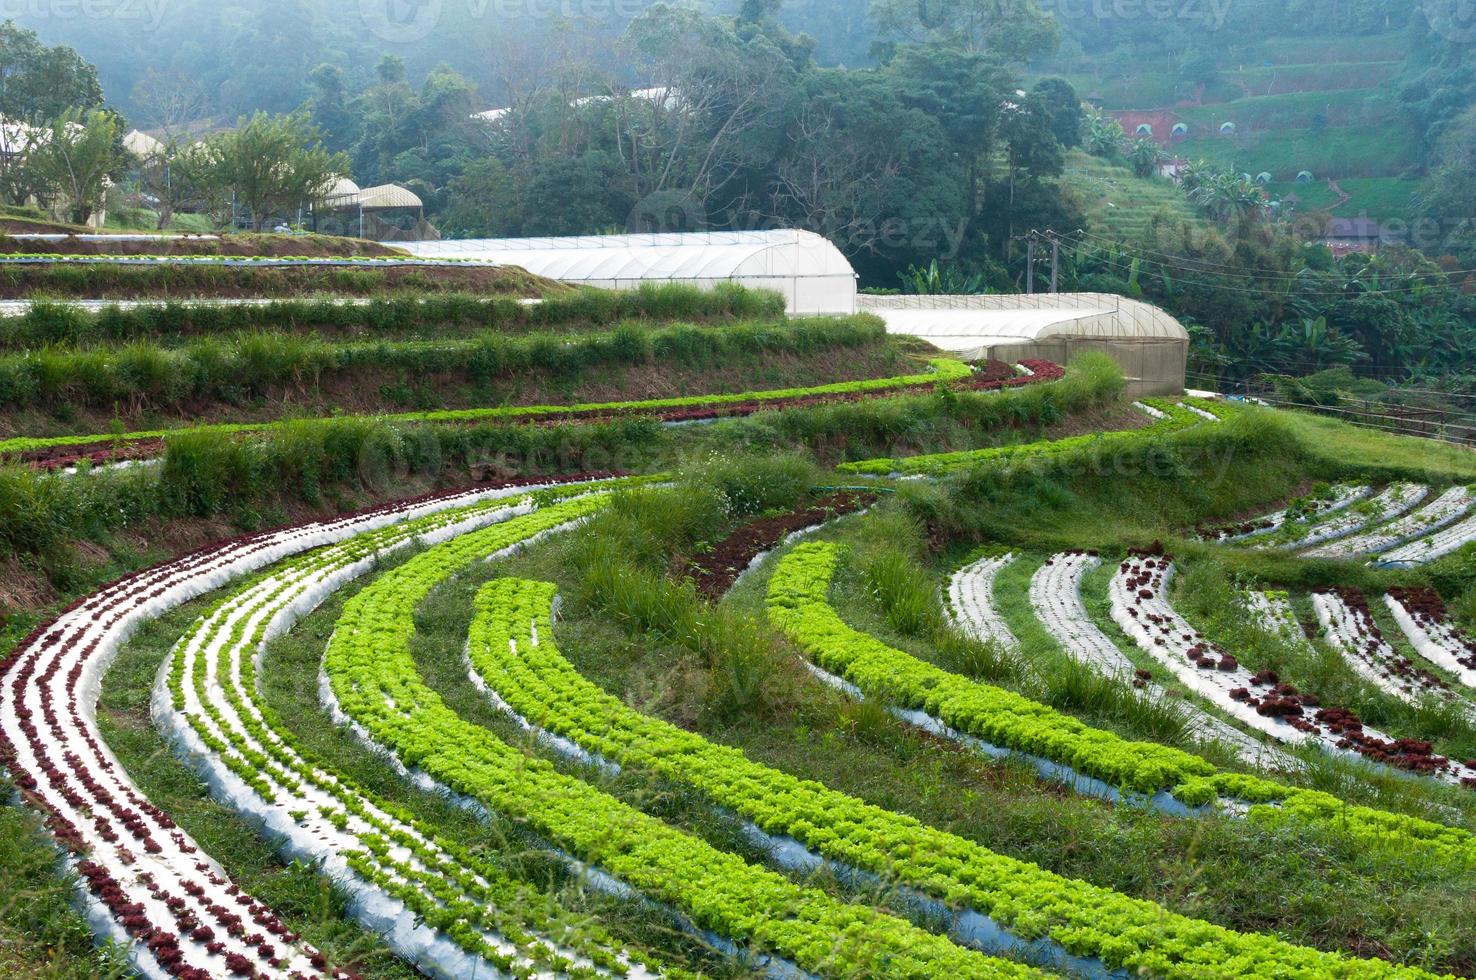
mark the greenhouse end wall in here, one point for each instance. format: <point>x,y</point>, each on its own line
<point>1151,366</point>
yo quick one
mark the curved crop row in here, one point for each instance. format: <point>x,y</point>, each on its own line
<point>1448,508</point>
<point>87,322</point>
<point>1055,594</point>
<point>1422,615</point>
<point>513,652</point>
<point>254,261</point>
<point>223,366</point>
<point>375,681</point>
<point>1348,621</point>
<point>1393,502</point>
<point>942,371</point>
<point>472,910</point>
<point>1425,550</point>
<point>1313,507</point>
<point>1172,416</point>
<point>971,602</point>
<point>141,873</point>
<point>799,605</point>
<point>1261,700</point>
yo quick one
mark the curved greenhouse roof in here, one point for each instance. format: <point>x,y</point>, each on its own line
<point>971,325</point>
<point>812,273</point>
<point>1151,347</point>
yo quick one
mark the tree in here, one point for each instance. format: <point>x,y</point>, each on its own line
<point>1015,30</point>
<point>1067,119</point>
<point>1146,156</point>
<point>274,165</point>
<point>1449,197</point>
<point>1105,135</point>
<point>172,102</point>
<point>77,157</point>
<point>38,83</point>
<point>482,202</point>
<point>725,100</point>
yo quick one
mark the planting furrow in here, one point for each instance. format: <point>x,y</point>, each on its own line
<point>949,704</point>
<point>145,878</point>
<point>1350,627</point>
<point>1055,593</point>
<point>50,743</point>
<point>1422,615</point>
<point>441,908</point>
<point>1432,548</point>
<point>1448,508</point>
<point>717,571</point>
<point>1302,512</point>
<point>971,602</point>
<point>372,676</point>
<point>1393,502</point>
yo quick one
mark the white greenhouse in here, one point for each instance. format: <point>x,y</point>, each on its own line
<point>1150,345</point>
<point>811,273</point>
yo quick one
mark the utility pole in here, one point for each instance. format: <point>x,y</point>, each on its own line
<point>1055,264</point>
<point>1030,266</point>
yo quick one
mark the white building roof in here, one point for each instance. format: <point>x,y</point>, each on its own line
<point>808,269</point>
<point>388,196</point>
<point>142,145</point>
<point>971,325</point>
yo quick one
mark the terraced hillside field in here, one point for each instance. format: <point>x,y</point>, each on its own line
<point>892,667</point>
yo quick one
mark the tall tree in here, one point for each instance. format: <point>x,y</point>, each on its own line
<point>171,102</point>
<point>40,83</point>
<point>274,165</point>
<point>77,157</point>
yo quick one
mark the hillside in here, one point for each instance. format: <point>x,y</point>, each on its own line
<point>1325,105</point>
<point>709,621</point>
<point>1119,203</point>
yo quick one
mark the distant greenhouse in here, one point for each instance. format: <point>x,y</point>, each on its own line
<point>1150,346</point>
<point>811,273</point>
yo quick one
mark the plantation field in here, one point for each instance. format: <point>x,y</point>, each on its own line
<point>1119,203</point>
<point>1338,153</point>
<point>742,646</point>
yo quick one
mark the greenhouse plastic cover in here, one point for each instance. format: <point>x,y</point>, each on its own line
<point>971,325</point>
<point>812,273</point>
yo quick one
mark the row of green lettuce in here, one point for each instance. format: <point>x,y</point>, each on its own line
<point>459,893</point>
<point>942,371</point>
<point>513,650</point>
<point>240,366</point>
<point>374,676</point>
<point>1177,416</point>
<point>57,322</point>
<point>262,479</point>
<point>798,604</point>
